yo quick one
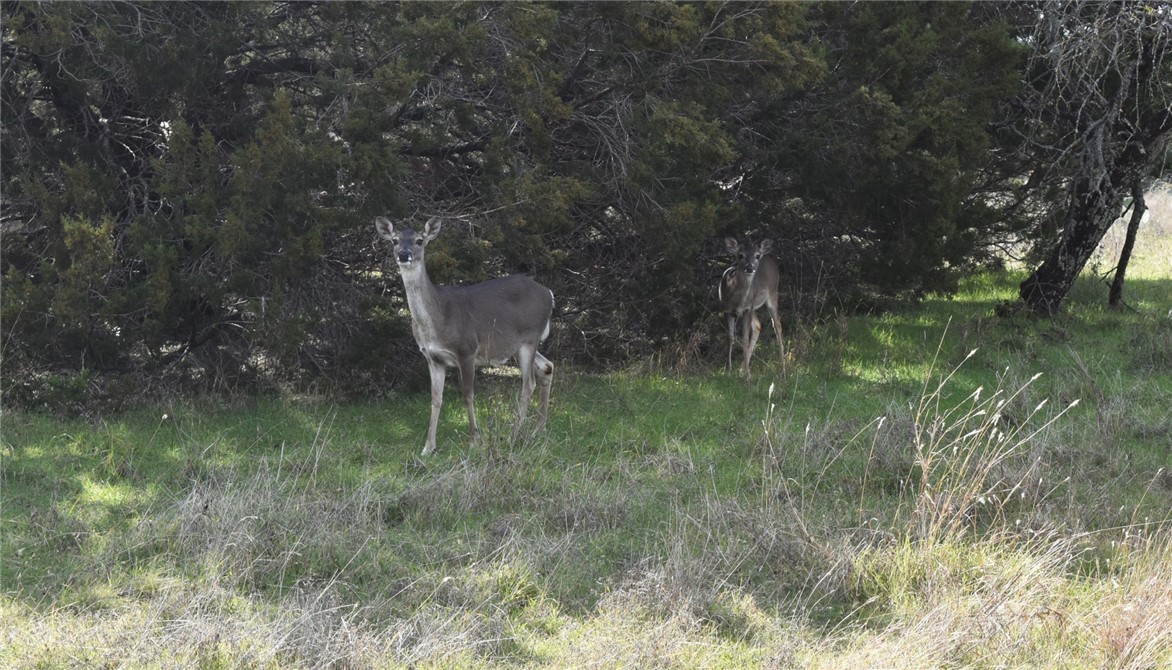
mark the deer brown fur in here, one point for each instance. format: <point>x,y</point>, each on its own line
<point>744,288</point>
<point>470,326</point>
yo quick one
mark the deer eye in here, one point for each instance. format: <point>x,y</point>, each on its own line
<point>419,241</point>
<point>395,240</point>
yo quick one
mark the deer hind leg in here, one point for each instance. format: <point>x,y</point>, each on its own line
<point>773,312</point>
<point>525,357</point>
<point>543,371</point>
<point>752,330</point>
<point>437,371</point>
<point>467,368</point>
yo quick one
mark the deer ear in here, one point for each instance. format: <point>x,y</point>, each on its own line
<point>731,244</point>
<point>765,245</point>
<point>432,228</point>
<point>384,228</point>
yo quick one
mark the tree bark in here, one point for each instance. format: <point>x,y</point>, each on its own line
<point>1115,298</point>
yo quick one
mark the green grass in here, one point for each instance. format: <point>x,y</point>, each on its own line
<point>872,510</point>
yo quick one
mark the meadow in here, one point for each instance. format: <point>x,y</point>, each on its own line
<point>936,486</point>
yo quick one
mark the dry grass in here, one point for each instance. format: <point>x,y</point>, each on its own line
<point>281,569</point>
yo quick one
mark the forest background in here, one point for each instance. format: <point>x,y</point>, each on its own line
<point>189,187</point>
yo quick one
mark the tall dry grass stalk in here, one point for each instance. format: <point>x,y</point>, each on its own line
<point>969,455</point>
<point>965,584</point>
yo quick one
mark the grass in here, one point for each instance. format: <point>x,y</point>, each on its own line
<point>899,501</point>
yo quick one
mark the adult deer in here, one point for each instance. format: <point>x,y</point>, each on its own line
<point>744,288</point>
<point>469,326</point>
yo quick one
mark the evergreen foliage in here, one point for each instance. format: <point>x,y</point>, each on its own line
<point>188,187</point>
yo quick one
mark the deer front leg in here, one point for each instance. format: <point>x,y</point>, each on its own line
<point>732,336</point>
<point>437,371</point>
<point>467,369</point>
<point>752,329</point>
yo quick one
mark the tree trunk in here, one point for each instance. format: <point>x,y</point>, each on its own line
<point>1094,204</point>
<point>1115,298</point>
<point>1090,215</point>
<point>1116,119</point>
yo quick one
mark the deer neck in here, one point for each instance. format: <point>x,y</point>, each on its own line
<point>422,299</point>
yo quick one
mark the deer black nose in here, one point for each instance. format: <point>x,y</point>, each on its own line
<point>405,256</point>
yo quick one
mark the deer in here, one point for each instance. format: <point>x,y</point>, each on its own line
<point>744,288</point>
<point>466,327</point>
